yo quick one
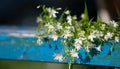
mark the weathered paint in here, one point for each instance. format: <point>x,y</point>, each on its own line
<point>23,46</point>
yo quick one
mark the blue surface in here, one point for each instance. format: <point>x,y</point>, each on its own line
<point>26,48</point>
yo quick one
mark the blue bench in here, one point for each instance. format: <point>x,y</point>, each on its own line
<point>19,43</point>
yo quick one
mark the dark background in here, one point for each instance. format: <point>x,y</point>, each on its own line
<point>24,12</point>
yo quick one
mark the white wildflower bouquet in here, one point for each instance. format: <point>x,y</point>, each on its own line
<point>76,32</point>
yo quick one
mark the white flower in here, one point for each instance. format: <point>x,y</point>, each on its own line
<point>113,23</point>
<point>75,17</point>
<point>98,48</point>
<point>67,34</point>
<point>47,24</point>
<point>38,6</point>
<point>64,41</point>
<point>67,12</point>
<point>50,27</point>
<point>74,53</point>
<point>77,46</point>
<point>87,49</point>
<point>103,27</point>
<point>100,34</point>
<point>39,41</point>
<point>81,33</point>
<point>97,34</point>
<point>59,8</point>
<point>109,35</point>
<point>52,12</point>
<point>58,57</point>
<point>39,20</point>
<point>82,16</point>
<point>59,26</point>
<point>117,39</point>
<point>69,20</point>
<point>90,44</point>
<point>78,41</point>
<point>70,28</point>
<point>91,37</point>
<point>54,37</point>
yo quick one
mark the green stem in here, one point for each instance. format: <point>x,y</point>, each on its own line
<point>70,65</point>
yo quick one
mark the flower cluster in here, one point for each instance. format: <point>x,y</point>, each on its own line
<point>77,32</point>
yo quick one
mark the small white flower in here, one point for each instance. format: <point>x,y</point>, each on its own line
<point>109,35</point>
<point>54,37</point>
<point>113,23</point>
<point>39,20</point>
<point>83,38</point>
<point>103,27</point>
<point>97,34</point>
<point>87,50</point>
<point>69,20</point>
<point>38,6</point>
<point>67,12</point>
<point>100,34</point>
<point>59,26</point>
<point>52,12</point>
<point>67,34</point>
<point>75,17</point>
<point>74,53</point>
<point>59,8</point>
<point>90,45</point>
<point>39,41</point>
<point>50,27</point>
<point>78,41</point>
<point>91,37</point>
<point>82,16</point>
<point>70,28</point>
<point>98,48</point>
<point>64,41</point>
<point>58,57</point>
<point>77,46</point>
<point>117,39</point>
<point>81,33</point>
<point>47,24</point>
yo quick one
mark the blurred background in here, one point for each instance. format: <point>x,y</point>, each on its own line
<point>24,13</point>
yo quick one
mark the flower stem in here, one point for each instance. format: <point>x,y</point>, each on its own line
<point>70,65</point>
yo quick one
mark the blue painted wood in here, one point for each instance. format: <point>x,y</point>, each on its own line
<point>19,43</point>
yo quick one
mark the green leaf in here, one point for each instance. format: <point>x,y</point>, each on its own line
<point>98,19</point>
<point>86,17</point>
